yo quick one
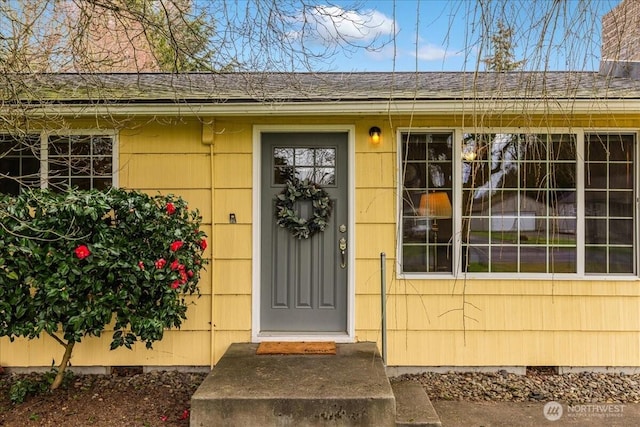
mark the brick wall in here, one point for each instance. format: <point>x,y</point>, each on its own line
<point>621,32</point>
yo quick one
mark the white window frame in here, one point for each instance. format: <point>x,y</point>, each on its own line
<point>44,150</point>
<point>458,133</point>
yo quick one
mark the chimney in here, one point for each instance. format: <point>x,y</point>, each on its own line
<point>621,41</point>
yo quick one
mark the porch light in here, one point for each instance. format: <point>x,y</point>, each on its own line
<point>374,134</point>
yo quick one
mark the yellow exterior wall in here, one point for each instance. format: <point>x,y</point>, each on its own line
<point>435,322</point>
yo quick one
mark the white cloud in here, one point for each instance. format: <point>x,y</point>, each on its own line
<point>332,24</point>
<point>432,52</point>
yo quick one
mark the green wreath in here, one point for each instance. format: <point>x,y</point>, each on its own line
<point>296,190</point>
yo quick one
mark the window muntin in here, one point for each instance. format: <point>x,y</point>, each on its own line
<point>83,161</point>
<point>539,203</point>
<point>609,204</point>
<point>519,201</point>
<point>80,160</point>
<point>426,203</point>
<point>19,162</point>
<point>316,164</point>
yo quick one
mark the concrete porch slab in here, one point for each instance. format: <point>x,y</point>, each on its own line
<point>347,389</point>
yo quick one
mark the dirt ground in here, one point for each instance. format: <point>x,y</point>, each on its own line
<point>124,398</point>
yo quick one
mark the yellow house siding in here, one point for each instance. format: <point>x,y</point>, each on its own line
<point>232,313</point>
<point>513,348</point>
<point>177,171</point>
<point>167,156</point>
<point>233,276</point>
<point>177,347</point>
<point>232,243</point>
<point>168,136</point>
<point>496,322</point>
<point>505,322</point>
<point>236,201</point>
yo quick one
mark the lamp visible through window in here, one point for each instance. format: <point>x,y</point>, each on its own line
<point>435,206</point>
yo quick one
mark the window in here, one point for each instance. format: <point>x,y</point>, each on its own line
<point>427,194</point>
<point>84,161</point>
<point>533,203</point>
<point>19,162</point>
<point>609,203</point>
<point>519,198</point>
<point>314,164</point>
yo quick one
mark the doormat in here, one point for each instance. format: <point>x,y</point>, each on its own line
<point>281,347</point>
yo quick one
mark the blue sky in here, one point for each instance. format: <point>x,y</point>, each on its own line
<point>443,35</point>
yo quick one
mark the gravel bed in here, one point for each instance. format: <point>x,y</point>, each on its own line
<point>573,388</point>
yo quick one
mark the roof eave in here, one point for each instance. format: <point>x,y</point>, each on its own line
<point>358,108</point>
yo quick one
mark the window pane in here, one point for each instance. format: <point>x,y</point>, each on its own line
<point>281,175</point>
<point>520,192</point>
<point>596,231</point>
<point>313,164</point>
<point>414,258</point>
<point>80,147</point>
<point>19,162</point>
<point>58,146</point>
<point>102,183</point>
<point>304,157</point>
<point>504,258</point>
<point>427,177</point>
<point>305,173</point>
<point>325,156</point>
<point>76,159</point>
<point>59,166</point>
<point>325,176</point>
<point>536,257</point>
<point>80,166</point>
<point>102,166</point>
<point>621,148</point>
<point>595,259</point>
<point>81,183</point>
<point>283,156</point>
<point>621,260</point>
<point>520,209</point>
<point>564,260</point>
<point>620,231</point>
<point>610,212</point>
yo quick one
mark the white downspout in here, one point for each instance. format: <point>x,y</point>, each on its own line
<point>208,138</point>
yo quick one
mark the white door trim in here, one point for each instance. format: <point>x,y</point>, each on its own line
<point>256,336</point>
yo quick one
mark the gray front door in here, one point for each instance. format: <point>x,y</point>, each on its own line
<point>304,281</point>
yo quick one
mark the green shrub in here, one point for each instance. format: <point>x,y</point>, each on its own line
<point>70,263</point>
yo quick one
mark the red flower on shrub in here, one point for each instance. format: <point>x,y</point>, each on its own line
<point>175,264</point>
<point>190,273</point>
<point>185,414</point>
<point>160,263</point>
<point>176,245</point>
<point>203,244</point>
<point>82,252</point>
<point>175,284</point>
<point>141,265</point>
<point>170,208</point>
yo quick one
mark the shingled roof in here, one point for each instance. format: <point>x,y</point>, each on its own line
<point>307,87</point>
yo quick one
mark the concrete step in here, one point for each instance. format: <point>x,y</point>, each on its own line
<point>347,389</point>
<point>413,407</point>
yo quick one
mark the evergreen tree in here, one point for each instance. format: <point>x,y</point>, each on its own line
<point>502,46</point>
